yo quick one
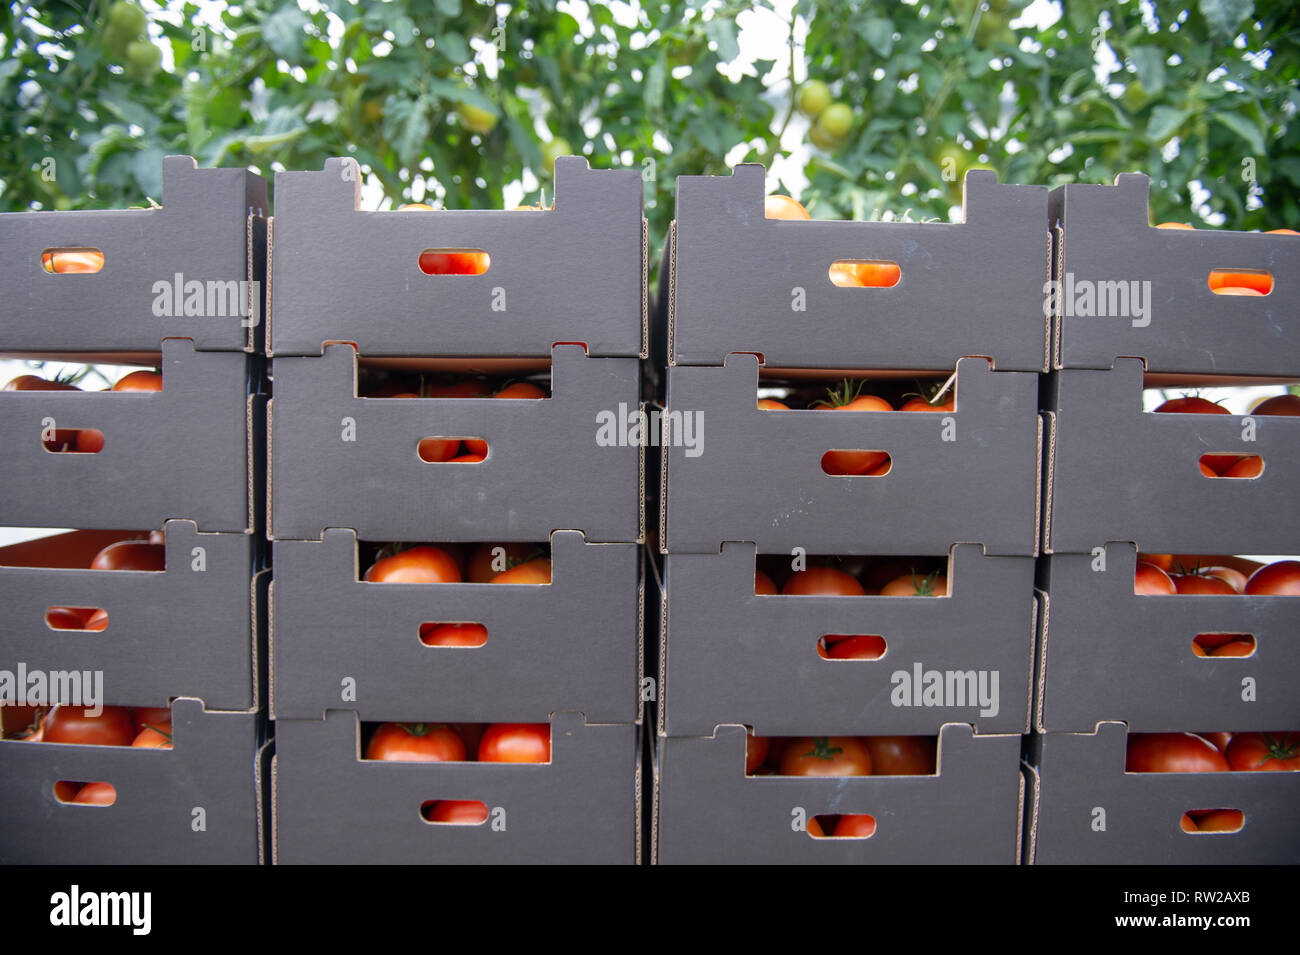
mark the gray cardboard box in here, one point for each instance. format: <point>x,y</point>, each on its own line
<point>709,811</point>
<point>190,630</point>
<point>1088,810</point>
<point>191,269</point>
<point>573,273</point>
<point>1129,289</point>
<point>745,283</point>
<point>191,451</point>
<point>195,803</point>
<point>1118,473</point>
<point>342,461</point>
<point>573,645</point>
<point>332,806</point>
<point>1110,654</point>
<point>735,657</point>
<point>745,474</point>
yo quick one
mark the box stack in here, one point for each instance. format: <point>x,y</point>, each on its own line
<point>363,314</point>
<point>178,289</point>
<point>751,304</point>
<point>1136,307</point>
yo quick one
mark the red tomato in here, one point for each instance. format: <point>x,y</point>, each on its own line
<point>783,207</point>
<point>454,263</point>
<point>1255,281</point>
<point>1215,820</point>
<point>756,750</point>
<point>1164,561</point>
<point>856,462</point>
<point>1279,578</point>
<point>140,381</point>
<point>1234,648</point>
<point>66,618</point>
<point>89,441</point>
<point>844,275</point>
<point>855,826</point>
<point>763,584</point>
<point>1152,581</point>
<point>36,383</point>
<point>98,620</point>
<point>416,743</point>
<point>151,716</point>
<point>516,743</point>
<point>131,555</point>
<point>826,756</point>
<point>487,561</point>
<point>920,404</point>
<point>155,736</point>
<point>1213,465</point>
<point>771,404</point>
<point>815,829</point>
<point>536,571</point>
<point>1220,740</point>
<point>861,646</point>
<point>1265,752</point>
<point>1251,466</point>
<point>424,564</point>
<point>912,585</point>
<point>96,794</point>
<point>467,459</point>
<point>877,274</point>
<point>20,721</point>
<point>1191,404</point>
<point>1196,584</point>
<point>1229,575</point>
<point>823,581</point>
<point>1279,405</point>
<point>521,389</point>
<point>476,447</point>
<point>1172,753</point>
<point>460,812</point>
<point>76,261</point>
<point>72,724</point>
<point>902,755</point>
<point>454,635</point>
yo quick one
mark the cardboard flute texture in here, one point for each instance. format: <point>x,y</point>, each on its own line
<point>745,283</point>
<point>562,462</point>
<point>1094,620</point>
<point>191,451</point>
<point>1091,812</point>
<point>725,483</point>
<point>191,269</point>
<point>709,811</point>
<point>573,273</point>
<point>571,645</point>
<point>1118,473</point>
<point>195,803</point>
<point>1129,289</point>
<point>331,806</point>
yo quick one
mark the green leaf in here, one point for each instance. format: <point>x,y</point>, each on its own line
<point>1244,128</point>
<point>1225,16</point>
<point>283,32</point>
<point>654,85</point>
<point>723,32</point>
<point>1150,64</point>
<point>449,8</point>
<point>403,31</point>
<point>413,132</point>
<point>146,167</point>
<point>1164,122</point>
<point>453,47</point>
<point>878,32</point>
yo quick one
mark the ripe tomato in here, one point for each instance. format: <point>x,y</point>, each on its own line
<point>771,404</point>
<point>844,275</point>
<point>1221,282</point>
<point>861,646</point>
<point>763,584</point>
<point>96,794</point>
<point>1237,291</point>
<point>72,724</point>
<point>516,743</point>
<point>1251,466</point>
<point>855,826</point>
<point>1234,648</point>
<point>826,756</point>
<point>783,207</point>
<point>1229,575</point>
<point>416,743</point>
<point>140,381</point>
<point>462,262</point>
<point>1164,561</point>
<point>453,635</point>
<point>1172,753</point>
<point>902,755</point>
<point>1191,404</point>
<point>756,750</point>
<point>814,829</point>
<point>1279,405</point>
<point>424,564</point>
<point>131,555</point>
<point>1213,820</point>
<point>487,561</point>
<point>1279,578</point>
<point>476,448</point>
<point>20,721</point>
<point>89,441</point>
<point>921,404</point>
<point>36,383</point>
<point>1220,740</point>
<point>98,620</point>
<point>1213,465</point>
<point>66,618</point>
<point>521,389</point>
<point>468,459</point>
<point>1265,752</point>
<point>459,812</point>
<point>154,736</point>
<point>877,274</point>
<point>77,261</point>
<point>911,585</point>
<point>856,462</point>
<point>536,571</point>
<point>823,581</point>
<point>151,716</point>
<point>1152,581</point>
<point>1196,584</point>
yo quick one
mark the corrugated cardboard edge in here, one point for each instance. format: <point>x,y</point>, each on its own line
<point>1034,628</point>
<point>663,656</point>
<point>253,458</point>
<point>645,289</point>
<point>1044,602</point>
<point>274,814</point>
<point>250,274</point>
<point>671,355</point>
<point>1048,321</point>
<point>270,402</point>
<point>1047,455</point>
<point>640,480</point>
<point>1038,488</point>
<point>259,609</point>
<point>1028,774</point>
<point>265,774</point>
<point>1056,267</point>
<point>640,631</point>
<point>663,499</point>
<point>654,803</point>
<point>270,648</point>
<point>1020,830</point>
<point>636,816</point>
<point>266,317</point>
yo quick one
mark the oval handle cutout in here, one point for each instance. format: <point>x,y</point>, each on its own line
<point>1241,282</point>
<point>454,261</point>
<point>1238,466</point>
<point>72,261</point>
<point>453,634</point>
<point>864,273</point>
<point>454,812</point>
<point>72,793</point>
<point>76,618</point>
<point>855,825</point>
<point>1224,645</point>
<point>73,440</point>
<point>1202,821</point>
<point>841,462</point>
<point>437,449</point>
<point>861,646</point>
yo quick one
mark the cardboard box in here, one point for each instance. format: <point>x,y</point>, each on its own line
<point>191,451</point>
<point>569,461</point>
<point>735,657</point>
<point>708,811</point>
<point>1118,473</point>
<point>1088,810</point>
<point>190,630</point>
<point>191,269</point>
<point>745,283</point>
<point>340,641</point>
<point>1110,654</point>
<point>332,806</point>
<point>573,273</point>
<point>751,475</point>
<point>1129,289</point>
<point>195,803</point>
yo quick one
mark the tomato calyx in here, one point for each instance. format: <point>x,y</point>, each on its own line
<point>159,729</point>
<point>822,749</point>
<point>837,396</point>
<point>392,549</point>
<point>925,585</point>
<point>422,729</point>
<point>1279,748</point>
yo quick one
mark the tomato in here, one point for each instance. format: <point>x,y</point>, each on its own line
<point>96,794</point>
<point>89,441</point>
<point>72,724</point>
<point>36,383</point>
<point>844,275</point>
<point>1221,282</point>
<point>521,389</point>
<point>933,584</point>
<point>1229,575</point>
<point>783,207</point>
<point>826,756</point>
<point>1196,584</point>
<point>131,555</point>
<point>476,448</point>
<point>1172,753</point>
<point>856,462</point>
<point>453,635</point>
<point>416,743</point>
<point>1234,648</point>
<point>836,120</point>
<point>814,829</point>
<point>1213,465</point>
<point>1214,820</point>
<point>98,620</point>
<point>1191,404</point>
<point>1251,466</point>
<point>140,381</point>
<point>454,263</point>
<point>536,571</point>
<point>460,812</point>
<point>471,733</point>
<point>877,274</point>
<point>468,459</point>
<point>1279,578</point>
<point>763,584</point>
<point>20,721</point>
<point>1279,405</point>
<point>823,581</point>
<point>771,404</point>
<point>1152,581</point>
<point>66,618</point>
<point>855,826</point>
<point>921,404</point>
<point>151,716</point>
<point>1265,752</point>
<point>487,561</point>
<point>756,750</point>
<point>423,564</point>
<point>1164,561</point>
<point>1175,225</point>
<point>814,96</point>
<point>77,261</point>
<point>1220,740</point>
<point>1237,291</point>
<point>902,755</point>
<point>516,743</point>
<point>154,736</point>
<point>860,646</point>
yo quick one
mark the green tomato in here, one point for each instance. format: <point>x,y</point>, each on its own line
<point>476,120</point>
<point>822,139</point>
<point>116,42</point>
<point>552,150</point>
<point>142,59</point>
<point>836,120</point>
<point>814,96</point>
<point>127,19</point>
<point>952,161</point>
